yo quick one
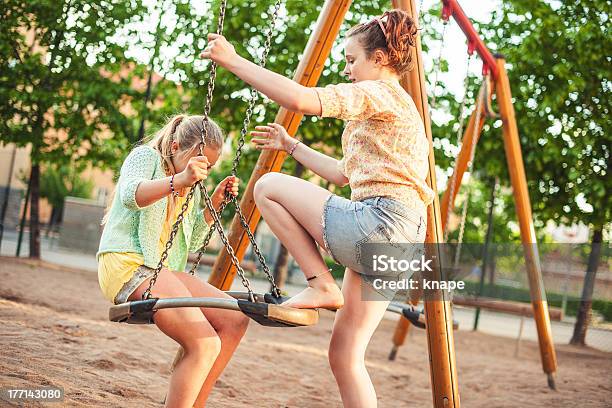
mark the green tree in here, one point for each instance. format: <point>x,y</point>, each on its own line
<point>445,125</point>
<point>59,182</point>
<point>559,56</point>
<point>557,53</point>
<point>61,84</point>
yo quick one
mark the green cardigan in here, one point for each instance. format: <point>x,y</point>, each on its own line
<point>131,228</point>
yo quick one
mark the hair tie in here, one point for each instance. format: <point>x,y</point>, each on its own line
<point>381,25</point>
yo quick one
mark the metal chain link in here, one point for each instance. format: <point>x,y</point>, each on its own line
<point>432,105</point>
<point>253,92</point>
<point>211,85</point>
<point>481,95</point>
<point>228,247</point>
<point>206,242</point>
<point>213,65</point>
<point>262,261</point>
<point>459,143</point>
<point>241,142</point>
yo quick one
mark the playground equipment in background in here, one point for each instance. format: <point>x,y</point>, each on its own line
<point>494,66</point>
<point>510,307</point>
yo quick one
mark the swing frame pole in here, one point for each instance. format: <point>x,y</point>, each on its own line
<point>308,73</point>
<point>495,65</point>
<point>518,180</point>
<point>451,8</point>
<point>438,312</point>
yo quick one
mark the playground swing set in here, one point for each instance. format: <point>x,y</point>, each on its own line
<point>436,317</point>
<point>494,79</point>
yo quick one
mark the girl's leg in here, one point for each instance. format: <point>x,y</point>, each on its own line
<point>229,325</point>
<point>353,327</point>
<point>188,327</point>
<point>293,208</point>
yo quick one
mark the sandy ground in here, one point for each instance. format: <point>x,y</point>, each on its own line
<point>54,332</point>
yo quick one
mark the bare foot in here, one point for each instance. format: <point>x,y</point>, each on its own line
<point>326,297</point>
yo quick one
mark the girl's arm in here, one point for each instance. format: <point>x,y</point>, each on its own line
<point>321,164</point>
<point>275,137</point>
<point>287,93</point>
<point>150,191</point>
<point>228,185</point>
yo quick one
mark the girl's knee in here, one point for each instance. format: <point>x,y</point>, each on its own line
<point>266,183</point>
<point>241,324</point>
<point>235,327</point>
<point>261,187</point>
<point>338,359</point>
<point>337,352</point>
<point>204,348</point>
<point>344,353</point>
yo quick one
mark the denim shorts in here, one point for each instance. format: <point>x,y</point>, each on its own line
<point>140,275</point>
<point>349,225</point>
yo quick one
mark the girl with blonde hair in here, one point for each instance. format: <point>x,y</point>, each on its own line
<point>151,190</point>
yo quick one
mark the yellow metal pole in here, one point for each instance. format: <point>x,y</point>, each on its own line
<point>523,210</point>
<point>307,73</point>
<point>438,313</point>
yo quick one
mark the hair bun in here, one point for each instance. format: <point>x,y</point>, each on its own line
<point>394,32</point>
<point>401,31</point>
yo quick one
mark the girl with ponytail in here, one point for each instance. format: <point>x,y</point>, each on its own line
<point>385,153</point>
<point>150,192</point>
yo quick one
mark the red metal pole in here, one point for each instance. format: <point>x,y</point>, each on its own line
<point>475,43</point>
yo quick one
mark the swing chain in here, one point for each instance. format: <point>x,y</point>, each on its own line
<point>213,65</point>
<point>262,260</point>
<point>245,225</point>
<point>206,241</point>
<point>437,68</point>
<point>236,161</point>
<point>179,219</point>
<point>211,80</point>
<point>482,94</point>
<point>147,293</point>
<point>228,247</point>
<point>253,93</point>
<point>459,143</point>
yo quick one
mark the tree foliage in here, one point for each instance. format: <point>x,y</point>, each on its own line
<point>59,182</point>
<point>558,56</point>
<point>61,83</point>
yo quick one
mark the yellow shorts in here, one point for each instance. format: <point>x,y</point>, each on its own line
<point>115,269</point>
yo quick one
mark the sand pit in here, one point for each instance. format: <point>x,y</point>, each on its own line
<point>55,333</point>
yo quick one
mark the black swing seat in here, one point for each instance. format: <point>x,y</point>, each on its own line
<point>414,315</point>
<point>266,310</point>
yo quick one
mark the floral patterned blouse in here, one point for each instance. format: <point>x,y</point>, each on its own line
<point>384,145</point>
